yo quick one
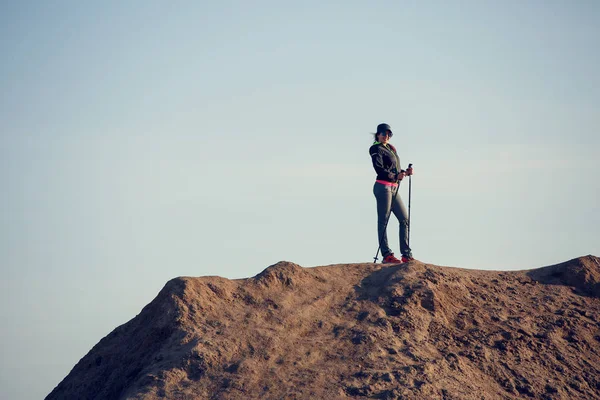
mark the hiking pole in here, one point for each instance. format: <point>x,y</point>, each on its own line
<point>409,193</point>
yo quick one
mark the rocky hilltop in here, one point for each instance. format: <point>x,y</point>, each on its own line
<point>404,331</point>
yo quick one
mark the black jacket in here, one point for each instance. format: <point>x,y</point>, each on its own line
<point>385,161</point>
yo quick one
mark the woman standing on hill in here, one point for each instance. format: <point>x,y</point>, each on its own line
<point>387,166</point>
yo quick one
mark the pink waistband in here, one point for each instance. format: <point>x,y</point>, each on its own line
<point>386,183</point>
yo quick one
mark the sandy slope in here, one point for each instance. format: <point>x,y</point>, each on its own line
<point>408,331</point>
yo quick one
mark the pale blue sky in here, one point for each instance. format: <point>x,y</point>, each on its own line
<point>145,140</point>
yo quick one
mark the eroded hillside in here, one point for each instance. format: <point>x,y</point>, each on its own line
<point>407,331</point>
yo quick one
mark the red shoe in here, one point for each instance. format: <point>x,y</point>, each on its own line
<point>406,259</point>
<point>390,259</point>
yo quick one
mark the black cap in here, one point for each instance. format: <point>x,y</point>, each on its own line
<point>382,128</point>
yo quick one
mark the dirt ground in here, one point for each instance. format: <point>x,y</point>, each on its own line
<point>404,331</point>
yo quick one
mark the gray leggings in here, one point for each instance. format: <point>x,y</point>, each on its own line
<point>386,200</point>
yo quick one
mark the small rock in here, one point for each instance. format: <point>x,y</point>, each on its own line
<point>509,386</point>
<point>359,338</point>
<point>551,389</point>
<point>507,335</point>
<point>524,333</point>
<point>362,315</point>
<point>501,345</point>
<point>387,377</point>
<point>525,389</point>
<point>361,374</point>
<point>357,391</point>
<point>576,385</point>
